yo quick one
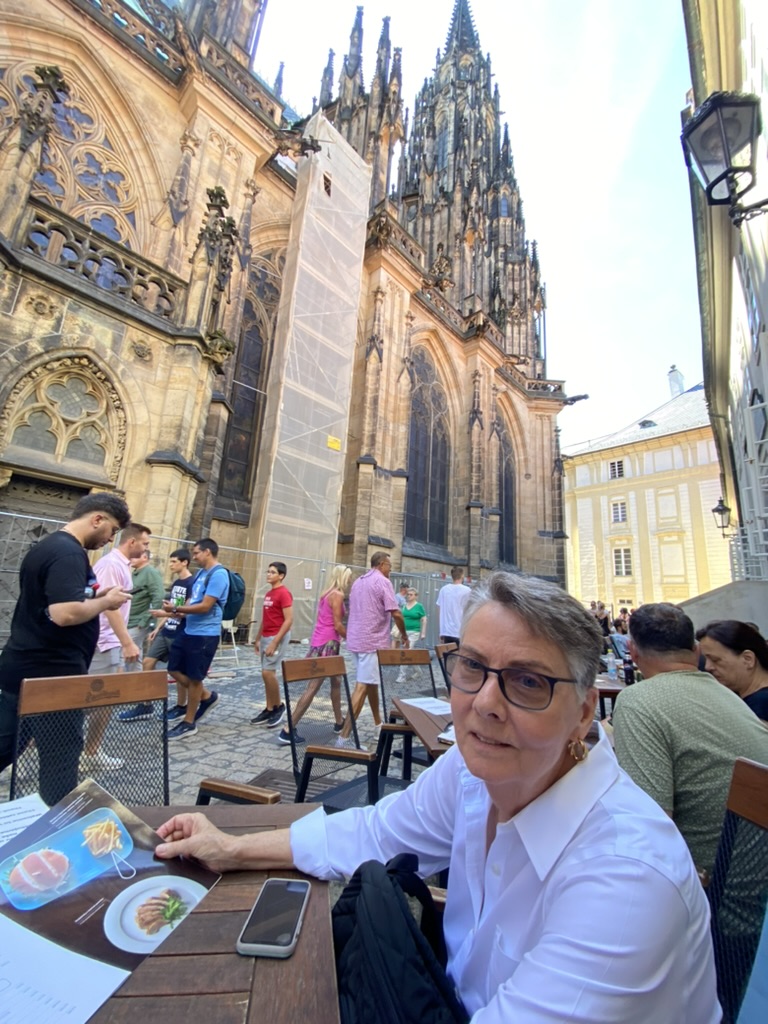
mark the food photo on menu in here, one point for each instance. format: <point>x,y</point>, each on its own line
<point>83,897</point>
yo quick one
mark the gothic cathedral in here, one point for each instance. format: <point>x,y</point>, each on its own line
<point>152,233</point>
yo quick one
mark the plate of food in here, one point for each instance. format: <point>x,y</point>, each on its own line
<point>59,863</point>
<point>146,912</point>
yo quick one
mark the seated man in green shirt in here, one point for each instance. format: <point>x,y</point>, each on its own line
<point>678,732</point>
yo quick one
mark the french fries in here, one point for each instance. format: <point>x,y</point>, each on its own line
<point>103,837</point>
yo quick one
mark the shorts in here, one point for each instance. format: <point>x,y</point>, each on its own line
<point>326,650</point>
<point>106,662</point>
<point>139,635</point>
<point>273,664</point>
<point>192,655</point>
<point>160,648</point>
<point>366,668</point>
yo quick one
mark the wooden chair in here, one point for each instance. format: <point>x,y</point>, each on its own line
<point>404,674</point>
<point>738,889</point>
<point>49,736</point>
<point>317,699</point>
<point>440,652</point>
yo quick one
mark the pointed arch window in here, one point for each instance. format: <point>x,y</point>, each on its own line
<point>250,380</point>
<point>68,412</point>
<point>507,519</point>
<point>429,452</point>
<point>441,147</point>
<point>82,169</point>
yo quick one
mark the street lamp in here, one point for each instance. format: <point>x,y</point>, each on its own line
<point>720,145</point>
<point>722,515</point>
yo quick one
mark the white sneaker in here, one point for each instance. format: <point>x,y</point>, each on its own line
<point>347,743</point>
<point>99,762</point>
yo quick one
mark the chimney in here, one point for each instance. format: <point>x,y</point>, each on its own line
<point>676,381</point>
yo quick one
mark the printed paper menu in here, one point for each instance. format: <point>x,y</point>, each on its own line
<point>83,901</point>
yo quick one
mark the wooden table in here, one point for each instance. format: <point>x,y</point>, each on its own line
<point>426,726</point>
<point>196,975</point>
<point>608,689</point>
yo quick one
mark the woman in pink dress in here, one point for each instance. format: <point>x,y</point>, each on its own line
<point>328,633</point>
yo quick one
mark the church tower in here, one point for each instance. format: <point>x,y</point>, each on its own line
<point>452,438</point>
<point>233,24</point>
<point>460,200</point>
<point>371,122</point>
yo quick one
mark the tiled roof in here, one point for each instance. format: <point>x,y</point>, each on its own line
<point>683,412</point>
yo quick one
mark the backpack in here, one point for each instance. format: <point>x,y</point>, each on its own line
<point>387,968</point>
<point>236,596</point>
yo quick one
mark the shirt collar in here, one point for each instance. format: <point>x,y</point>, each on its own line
<point>548,824</point>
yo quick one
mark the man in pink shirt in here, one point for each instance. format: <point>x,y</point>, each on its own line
<point>115,649</point>
<point>372,610</point>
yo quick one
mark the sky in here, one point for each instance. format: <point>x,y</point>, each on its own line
<point>592,91</point>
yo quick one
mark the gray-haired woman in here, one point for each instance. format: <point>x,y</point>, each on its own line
<point>571,895</point>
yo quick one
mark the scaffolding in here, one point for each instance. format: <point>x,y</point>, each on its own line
<point>298,487</point>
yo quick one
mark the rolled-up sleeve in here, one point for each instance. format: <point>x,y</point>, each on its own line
<point>419,820</point>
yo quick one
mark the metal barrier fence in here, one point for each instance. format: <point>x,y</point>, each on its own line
<point>306,577</point>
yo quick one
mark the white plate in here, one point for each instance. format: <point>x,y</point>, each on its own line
<point>120,919</point>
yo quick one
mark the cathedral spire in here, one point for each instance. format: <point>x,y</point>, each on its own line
<point>277,88</point>
<point>382,55</point>
<point>462,35</point>
<point>326,86</point>
<point>396,77</point>
<point>353,63</point>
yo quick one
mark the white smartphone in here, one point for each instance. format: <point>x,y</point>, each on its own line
<point>274,923</point>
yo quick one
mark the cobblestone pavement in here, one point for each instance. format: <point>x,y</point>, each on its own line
<point>226,745</point>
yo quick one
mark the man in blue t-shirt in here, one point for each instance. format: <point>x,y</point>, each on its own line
<point>165,632</point>
<point>193,649</point>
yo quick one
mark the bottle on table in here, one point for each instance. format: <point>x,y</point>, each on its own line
<point>629,671</point>
<point>611,665</point>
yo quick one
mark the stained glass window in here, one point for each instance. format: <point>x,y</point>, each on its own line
<point>507,521</point>
<point>429,452</point>
<point>249,382</point>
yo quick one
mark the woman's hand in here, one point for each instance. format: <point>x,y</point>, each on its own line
<point>192,835</point>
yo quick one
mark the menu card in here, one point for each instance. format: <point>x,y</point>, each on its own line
<point>83,901</point>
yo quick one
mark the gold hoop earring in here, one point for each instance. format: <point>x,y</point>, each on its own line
<point>578,750</point>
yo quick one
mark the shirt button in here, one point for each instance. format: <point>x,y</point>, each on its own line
<point>496,869</point>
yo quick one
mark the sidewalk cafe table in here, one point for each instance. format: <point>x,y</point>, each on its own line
<point>608,689</point>
<point>196,975</point>
<point>426,725</point>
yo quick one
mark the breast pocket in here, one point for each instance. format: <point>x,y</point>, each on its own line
<point>503,962</point>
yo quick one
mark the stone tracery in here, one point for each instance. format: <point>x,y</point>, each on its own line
<point>81,171</point>
<point>67,408</point>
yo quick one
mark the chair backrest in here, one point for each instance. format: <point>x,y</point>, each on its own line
<point>49,736</point>
<point>738,891</point>
<point>440,652</point>
<point>405,673</point>
<point>317,698</point>
<point>228,628</point>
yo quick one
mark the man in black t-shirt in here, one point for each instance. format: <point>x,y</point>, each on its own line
<point>54,630</point>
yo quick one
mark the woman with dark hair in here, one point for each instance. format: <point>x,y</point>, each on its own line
<point>737,656</point>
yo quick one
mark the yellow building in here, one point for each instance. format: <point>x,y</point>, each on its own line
<point>638,509</point>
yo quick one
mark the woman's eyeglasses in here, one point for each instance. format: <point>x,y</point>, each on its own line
<point>520,686</point>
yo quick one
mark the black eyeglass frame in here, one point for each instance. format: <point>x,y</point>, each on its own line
<point>499,673</point>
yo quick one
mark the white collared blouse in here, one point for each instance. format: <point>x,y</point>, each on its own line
<point>586,907</point>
